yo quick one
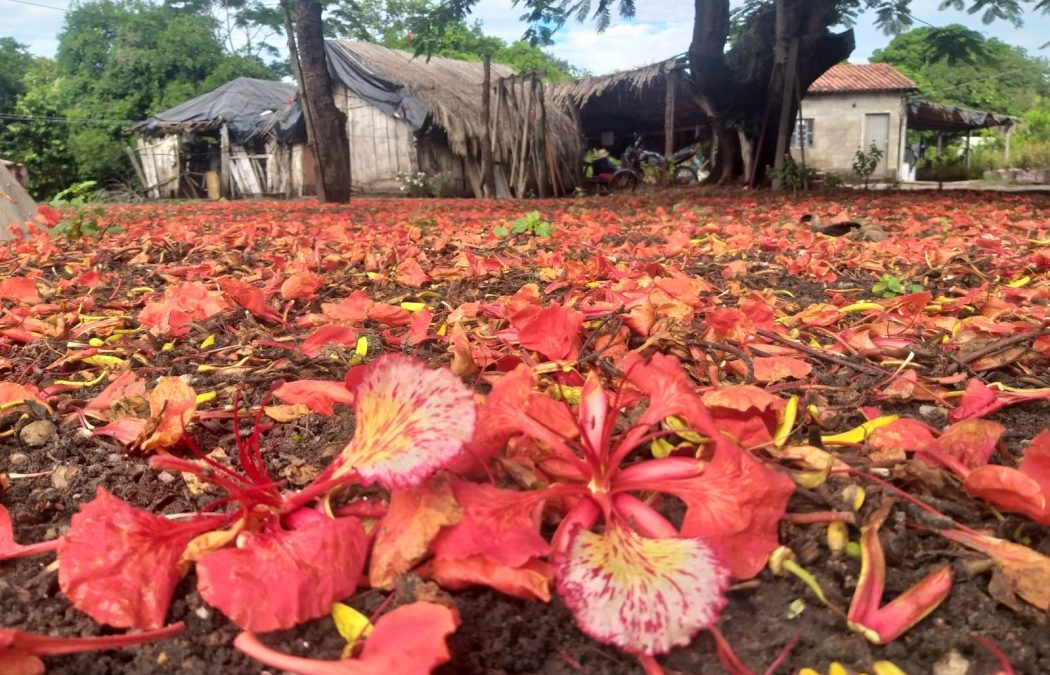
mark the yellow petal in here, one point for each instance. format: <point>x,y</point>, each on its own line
<point>350,623</point>
<point>857,435</point>
<point>787,423</point>
<point>208,341</point>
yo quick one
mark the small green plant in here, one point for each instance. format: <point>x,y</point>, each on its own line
<point>793,176</point>
<point>890,286</point>
<point>865,163</point>
<point>531,223</point>
<point>420,184</point>
<point>83,216</point>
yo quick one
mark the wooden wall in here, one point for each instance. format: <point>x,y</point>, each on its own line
<point>160,166</point>
<point>380,145</point>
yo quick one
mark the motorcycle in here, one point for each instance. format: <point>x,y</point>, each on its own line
<point>686,165</point>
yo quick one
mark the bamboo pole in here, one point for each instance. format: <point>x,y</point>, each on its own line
<point>785,111</point>
<point>543,173</point>
<point>488,172</point>
<point>669,116</point>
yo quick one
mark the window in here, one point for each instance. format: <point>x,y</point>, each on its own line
<point>803,130</point>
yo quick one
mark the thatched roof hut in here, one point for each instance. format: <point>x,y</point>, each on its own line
<point>222,143</point>
<point>646,100</point>
<point>247,106</point>
<point>409,113</point>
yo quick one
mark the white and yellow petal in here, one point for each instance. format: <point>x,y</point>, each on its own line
<point>411,421</point>
<point>642,595</point>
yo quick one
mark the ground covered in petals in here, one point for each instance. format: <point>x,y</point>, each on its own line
<point>870,347</point>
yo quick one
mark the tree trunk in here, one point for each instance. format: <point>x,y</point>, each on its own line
<point>329,124</point>
<point>741,89</point>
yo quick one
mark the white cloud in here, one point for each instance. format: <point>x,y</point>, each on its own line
<point>36,27</point>
<point>659,30</point>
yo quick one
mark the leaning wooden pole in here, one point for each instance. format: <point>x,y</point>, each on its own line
<point>786,96</point>
<point>543,174</point>
<point>669,116</point>
<point>488,170</point>
<point>311,133</point>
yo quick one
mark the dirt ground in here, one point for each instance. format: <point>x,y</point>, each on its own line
<point>501,634</point>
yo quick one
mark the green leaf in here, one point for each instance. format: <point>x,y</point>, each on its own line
<point>500,232</point>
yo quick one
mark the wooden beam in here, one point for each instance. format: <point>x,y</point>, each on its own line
<point>224,162</point>
<point>787,94</point>
<point>488,175</point>
<point>543,174</point>
<point>669,116</point>
<point>135,165</point>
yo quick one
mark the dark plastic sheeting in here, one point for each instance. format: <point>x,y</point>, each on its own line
<point>366,83</point>
<point>247,106</point>
<point>928,116</point>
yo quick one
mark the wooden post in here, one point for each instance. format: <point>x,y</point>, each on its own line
<point>224,162</point>
<point>488,171</point>
<point>967,153</point>
<point>669,117</point>
<point>785,111</point>
<point>577,119</point>
<point>138,167</point>
<point>524,152</point>
<point>801,135</point>
<point>311,135</point>
<point>940,161</point>
<point>543,177</point>
<point>1006,154</point>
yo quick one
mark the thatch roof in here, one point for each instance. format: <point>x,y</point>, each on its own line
<point>451,92</point>
<point>632,101</point>
<point>631,83</point>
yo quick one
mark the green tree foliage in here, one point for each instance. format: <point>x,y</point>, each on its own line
<point>960,66</point>
<point>397,24</point>
<point>15,62</point>
<point>35,138</point>
<point>118,62</point>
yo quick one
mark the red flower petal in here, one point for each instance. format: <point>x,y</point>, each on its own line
<point>20,290</point>
<point>553,332</point>
<point>127,384</point>
<point>334,334</point>
<point>642,595</point>
<point>172,404</point>
<point>736,506</point>
<point>277,580</point>
<point>318,395</point>
<point>180,305</point>
<point>410,640</point>
<point>249,297</point>
<point>19,650</point>
<point>970,443</point>
<point>410,421</point>
<point>530,581</point>
<point>502,525</point>
<point>118,564</point>
<point>416,515</point>
<point>10,549</point>
<point>301,286</point>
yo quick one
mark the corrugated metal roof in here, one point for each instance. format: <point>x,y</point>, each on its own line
<point>848,77</point>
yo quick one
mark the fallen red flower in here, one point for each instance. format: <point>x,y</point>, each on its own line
<point>20,651</point>
<point>410,640</point>
<point>882,624</point>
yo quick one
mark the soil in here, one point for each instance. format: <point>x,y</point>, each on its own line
<point>500,634</point>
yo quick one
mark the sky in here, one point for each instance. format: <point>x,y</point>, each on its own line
<point>660,29</point>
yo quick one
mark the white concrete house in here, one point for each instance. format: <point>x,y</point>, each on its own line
<point>847,109</point>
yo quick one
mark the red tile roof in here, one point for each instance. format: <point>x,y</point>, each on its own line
<point>848,77</point>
